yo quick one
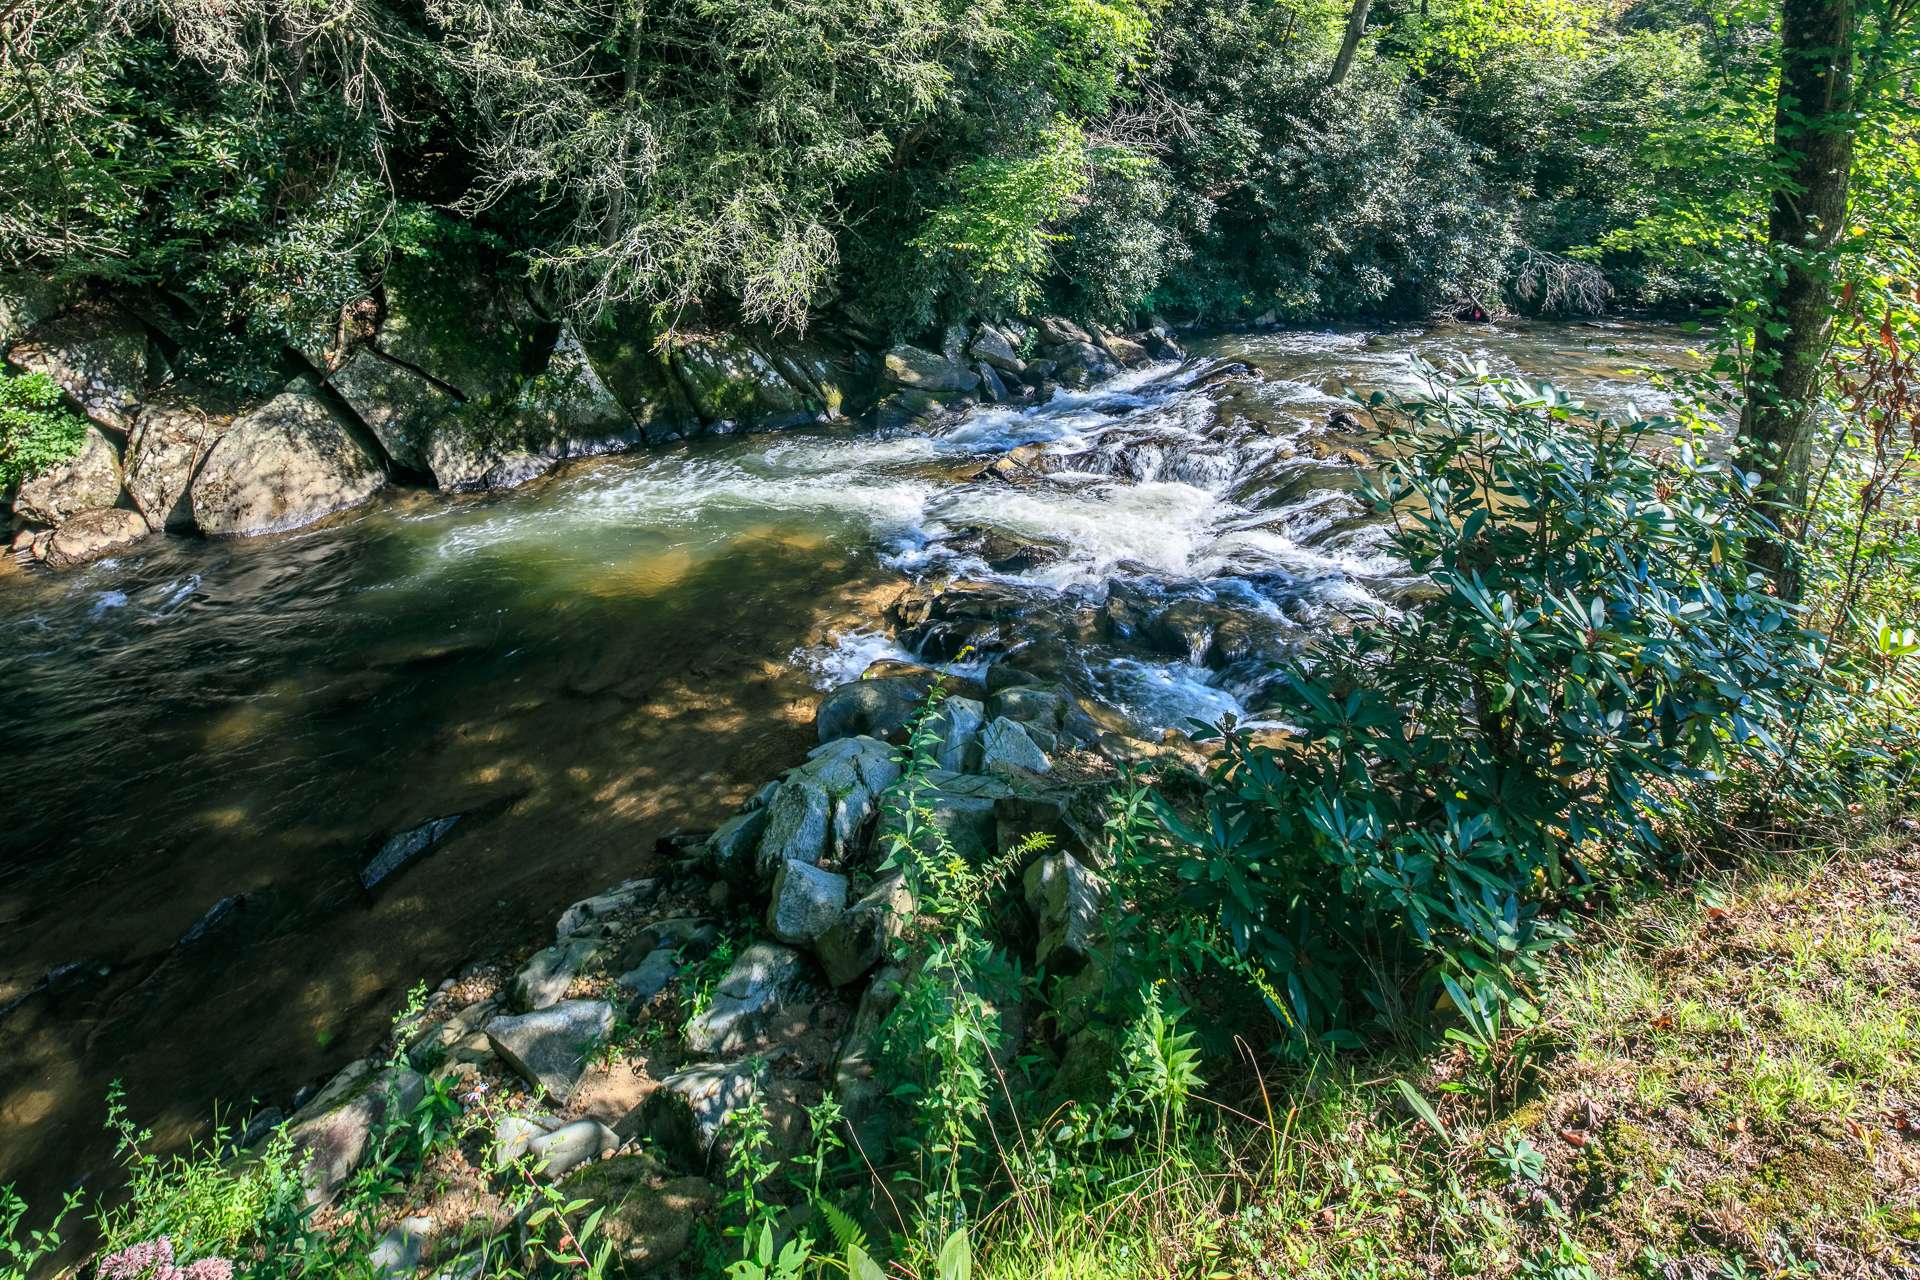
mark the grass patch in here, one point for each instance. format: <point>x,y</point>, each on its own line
<point>1725,1085</point>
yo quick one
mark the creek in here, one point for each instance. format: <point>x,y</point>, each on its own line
<point>206,741</point>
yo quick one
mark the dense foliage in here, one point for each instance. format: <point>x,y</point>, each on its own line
<point>906,162</point>
<point>36,428</point>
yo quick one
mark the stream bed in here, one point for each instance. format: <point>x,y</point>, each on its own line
<point>206,742</point>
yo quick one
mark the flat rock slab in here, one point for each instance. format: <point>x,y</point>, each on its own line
<point>546,977</point>
<point>594,915</point>
<point>549,1047</point>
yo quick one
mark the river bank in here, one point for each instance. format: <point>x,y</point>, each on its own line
<point>630,647</point>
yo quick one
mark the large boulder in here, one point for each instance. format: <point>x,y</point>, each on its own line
<point>646,1216</point>
<point>93,534</point>
<point>859,938</point>
<point>1066,899</point>
<point>922,370</point>
<point>399,404</point>
<point>799,819</point>
<point>882,708</point>
<point>993,348</point>
<point>764,979</point>
<point>853,773</point>
<point>85,482</point>
<point>171,437</point>
<point>25,301</point>
<point>1008,750</point>
<point>950,809</point>
<point>285,464</point>
<point>732,385</point>
<point>332,1134</point>
<point>550,1047</point>
<point>98,355</point>
<point>624,355</point>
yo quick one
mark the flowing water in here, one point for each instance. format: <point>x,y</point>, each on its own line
<point>206,741</point>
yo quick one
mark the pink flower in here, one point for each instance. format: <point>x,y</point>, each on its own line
<point>153,1260</point>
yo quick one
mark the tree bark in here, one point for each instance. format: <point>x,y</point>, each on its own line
<point>1350,43</point>
<point>1813,148</point>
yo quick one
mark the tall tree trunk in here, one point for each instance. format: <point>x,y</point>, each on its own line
<point>1813,147</point>
<point>1350,43</point>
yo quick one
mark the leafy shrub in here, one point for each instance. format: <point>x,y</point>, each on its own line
<point>1463,768</point>
<point>37,430</point>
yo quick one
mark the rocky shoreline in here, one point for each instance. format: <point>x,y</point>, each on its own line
<point>755,969</point>
<point>465,385</point>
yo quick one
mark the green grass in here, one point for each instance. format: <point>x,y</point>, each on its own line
<point>1722,1085</point>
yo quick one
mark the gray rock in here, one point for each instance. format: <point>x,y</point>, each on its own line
<point>732,384</point>
<point>798,824</point>
<point>27,300</point>
<point>995,349</point>
<point>1007,749</point>
<point>957,806</point>
<point>1058,331</point>
<point>400,850</point>
<point>958,722</point>
<point>649,978</point>
<point>170,439</point>
<point>570,1146</point>
<point>1124,349</point>
<point>764,979</point>
<point>854,773</point>
<point>286,464</point>
<point>592,915</point>
<point>691,937</point>
<point>88,481</point>
<point>547,976</point>
<point>883,708</point>
<point>647,1218</point>
<point>806,902</point>
<point>1065,899</point>
<point>513,1136</point>
<point>857,1084</point>
<point>686,1116</point>
<point>859,939</point>
<point>922,370</point>
<point>92,534</point>
<point>332,1133</point>
<point>732,847</point>
<point>399,1251</point>
<point>991,385</point>
<point>98,355</point>
<point>549,1047</point>
<point>398,404</point>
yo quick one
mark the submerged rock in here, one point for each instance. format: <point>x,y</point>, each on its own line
<point>550,1047</point>
<point>285,464</point>
<point>400,850</point>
